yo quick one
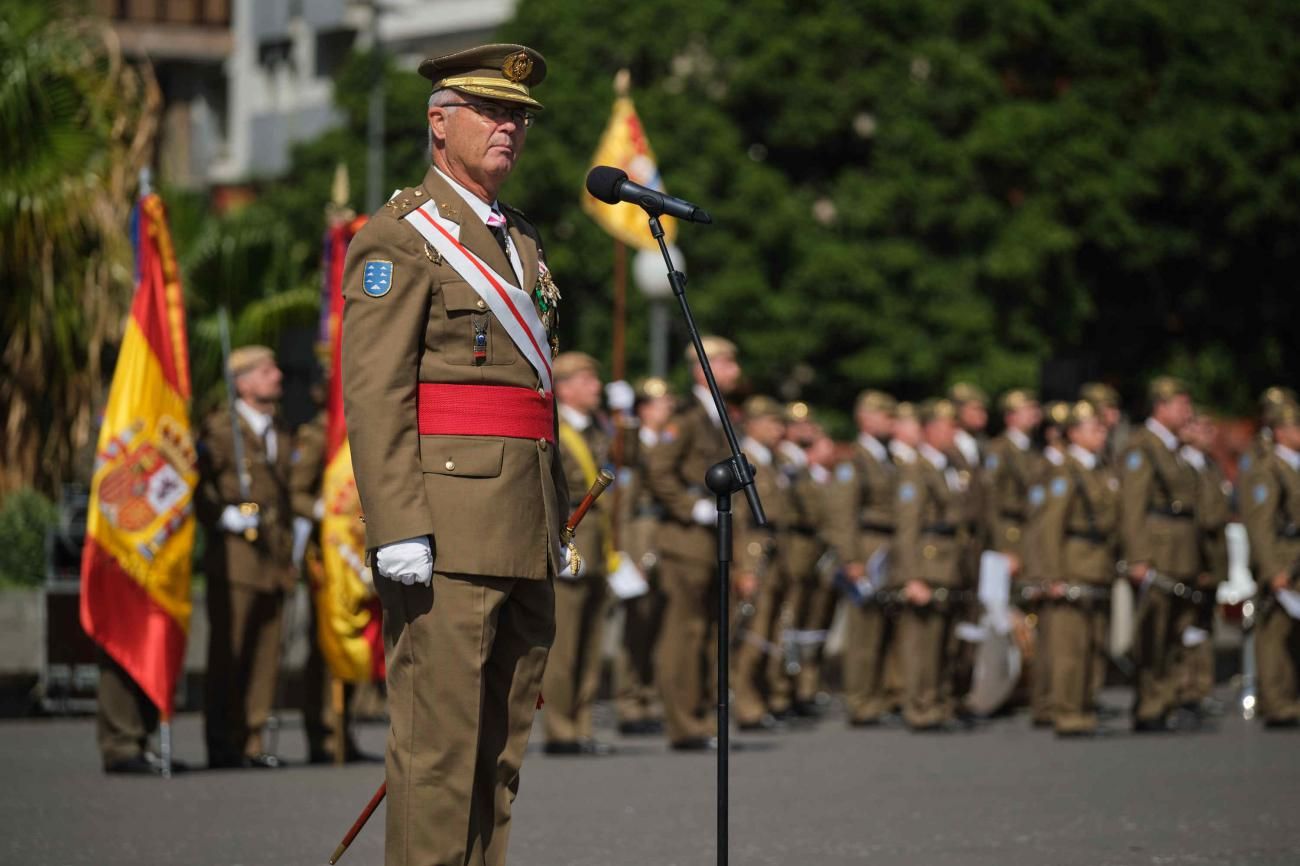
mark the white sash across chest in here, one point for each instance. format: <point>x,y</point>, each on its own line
<point>513,307</point>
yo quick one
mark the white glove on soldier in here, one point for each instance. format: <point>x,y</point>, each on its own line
<point>705,513</point>
<point>408,562</point>
<point>302,528</point>
<point>235,521</point>
<point>620,396</point>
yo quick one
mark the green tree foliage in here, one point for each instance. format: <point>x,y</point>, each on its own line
<point>908,192</point>
<point>25,518</point>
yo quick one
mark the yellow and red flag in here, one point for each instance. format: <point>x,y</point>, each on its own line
<point>348,613</point>
<point>135,567</point>
<point>624,145</point>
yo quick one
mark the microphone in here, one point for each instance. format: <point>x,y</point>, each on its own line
<point>611,186</point>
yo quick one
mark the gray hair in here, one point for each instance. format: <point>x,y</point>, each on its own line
<point>440,98</point>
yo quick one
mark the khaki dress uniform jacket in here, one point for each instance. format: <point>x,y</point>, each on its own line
<point>1158,527</point>
<point>465,656</point>
<point>691,444</point>
<point>810,601</point>
<point>247,583</point>
<point>862,519</point>
<point>1270,498</point>
<point>1079,542</point>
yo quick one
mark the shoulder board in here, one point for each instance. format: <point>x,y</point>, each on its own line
<point>404,201</point>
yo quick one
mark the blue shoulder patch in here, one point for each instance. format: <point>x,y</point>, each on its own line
<point>1036,495</point>
<point>1134,461</point>
<point>844,472</point>
<point>1244,465</point>
<point>906,492</point>
<point>1261,494</point>
<point>295,456</point>
<point>991,463</point>
<point>1059,486</point>
<point>378,278</point>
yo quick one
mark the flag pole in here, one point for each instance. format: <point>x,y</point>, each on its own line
<point>165,745</point>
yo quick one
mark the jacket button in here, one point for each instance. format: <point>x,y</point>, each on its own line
<point>930,551</point>
<point>541,443</point>
<point>451,465</point>
<point>481,304</point>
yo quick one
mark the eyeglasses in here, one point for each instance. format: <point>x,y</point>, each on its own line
<point>497,113</point>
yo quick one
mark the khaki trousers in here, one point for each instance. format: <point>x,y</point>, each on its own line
<point>1078,651</point>
<point>867,639</point>
<point>811,606</point>
<point>1159,652</point>
<point>926,634</point>
<point>759,656</point>
<point>635,696</point>
<point>573,668</point>
<point>243,663</point>
<point>1040,671</point>
<point>465,659</point>
<point>1197,680</point>
<point>686,657</point>
<point>1277,656</point>
<point>124,716</point>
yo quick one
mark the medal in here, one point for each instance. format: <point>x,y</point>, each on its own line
<point>547,295</point>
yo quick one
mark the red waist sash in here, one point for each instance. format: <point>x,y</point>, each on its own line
<point>485,410</point>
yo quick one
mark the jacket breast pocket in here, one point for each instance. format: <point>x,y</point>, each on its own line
<point>471,336</point>
<point>464,456</point>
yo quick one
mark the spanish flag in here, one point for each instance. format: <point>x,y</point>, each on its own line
<point>348,613</point>
<point>624,145</point>
<point>135,567</point>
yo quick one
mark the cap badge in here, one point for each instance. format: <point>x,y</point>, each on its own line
<point>517,66</point>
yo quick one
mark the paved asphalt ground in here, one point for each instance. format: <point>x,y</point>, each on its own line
<point>1004,795</point>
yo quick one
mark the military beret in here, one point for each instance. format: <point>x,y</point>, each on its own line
<point>569,364</point>
<point>714,347</point>
<point>1082,410</point>
<point>1057,413</point>
<point>965,392</point>
<point>1273,399</point>
<point>504,72</point>
<point>760,406</point>
<point>245,358</point>
<point>1016,399</point>
<point>906,412</point>
<point>938,410</point>
<point>1100,394</point>
<point>651,388</point>
<point>1164,388</point>
<point>1284,415</point>
<point>875,401</point>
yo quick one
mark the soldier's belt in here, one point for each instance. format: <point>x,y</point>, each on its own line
<point>880,528</point>
<point>1094,537</point>
<point>807,531</point>
<point>1180,512</point>
<point>1289,531</point>
<point>1078,593</point>
<point>1013,514</point>
<point>948,530</point>
<point>1179,589</point>
<point>485,410</point>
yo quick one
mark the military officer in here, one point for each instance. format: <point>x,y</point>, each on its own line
<point>636,699</point>
<point>1010,467</point>
<point>761,581</point>
<point>1161,546</point>
<point>972,421</point>
<point>862,528</point>
<point>692,442</point>
<point>448,336</point>
<point>125,718</point>
<point>1270,492</point>
<point>1078,543</point>
<point>248,518</point>
<point>1106,399</point>
<point>582,595</point>
<point>931,538</point>
<point>906,437</point>
<point>1213,511</point>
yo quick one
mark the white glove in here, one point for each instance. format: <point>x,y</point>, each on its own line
<point>705,513</point>
<point>620,396</point>
<point>408,562</point>
<point>318,510</point>
<point>237,522</point>
<point>302,528</point>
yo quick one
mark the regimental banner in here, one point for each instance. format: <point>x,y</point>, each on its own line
<point>135,568</point>
<point>348,617</point>
<point>624,145</point>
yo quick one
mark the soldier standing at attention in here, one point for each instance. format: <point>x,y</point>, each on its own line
<point>248,559</point>
<point>1161,545</point>
<point>761,578</point>
<point>862,528</point>
<point>932,535</point>
<point>636,700</point>
<point>1213,511</point>
<point>582,598</point>
<point>691,443</point>
<point>1270,492</point>
<point>1078,539</point>
<point>1010,468</point>
<point>448,336</point>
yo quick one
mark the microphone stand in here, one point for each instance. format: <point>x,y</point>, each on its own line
<point>723,479</point>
